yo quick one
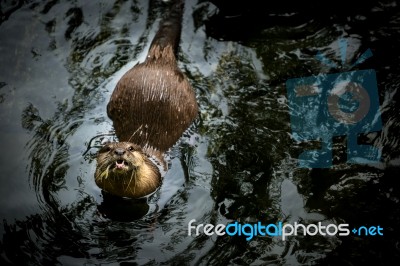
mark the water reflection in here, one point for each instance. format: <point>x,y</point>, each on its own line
<point>60,61</point>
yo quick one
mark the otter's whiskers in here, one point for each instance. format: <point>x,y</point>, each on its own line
<point>133,176</point>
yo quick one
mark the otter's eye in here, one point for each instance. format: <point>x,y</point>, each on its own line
<point>106,149</point>
<point>130,148</point>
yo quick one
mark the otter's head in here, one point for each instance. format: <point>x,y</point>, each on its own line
<point>124,170</point>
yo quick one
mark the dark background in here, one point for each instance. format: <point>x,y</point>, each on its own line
<point>59,62</point>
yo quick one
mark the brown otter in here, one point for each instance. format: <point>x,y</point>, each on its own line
<point>151,106</point>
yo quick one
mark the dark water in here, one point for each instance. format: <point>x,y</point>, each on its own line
<point>59,62</point>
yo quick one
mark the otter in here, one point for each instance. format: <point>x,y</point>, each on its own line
<point>151,106</point>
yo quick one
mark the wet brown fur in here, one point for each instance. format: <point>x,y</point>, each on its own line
<point>151,106</point>
<point>140,178</point>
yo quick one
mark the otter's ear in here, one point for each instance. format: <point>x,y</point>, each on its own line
<point>105,141</point>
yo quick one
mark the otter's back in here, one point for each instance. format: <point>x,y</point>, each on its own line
<point>153,104</point>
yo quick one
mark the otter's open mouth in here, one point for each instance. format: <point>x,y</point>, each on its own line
<point>121,164</point>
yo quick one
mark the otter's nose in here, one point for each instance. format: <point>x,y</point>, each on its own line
<point>119,151</point>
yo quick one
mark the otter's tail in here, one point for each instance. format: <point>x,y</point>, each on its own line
<point>166,40</point>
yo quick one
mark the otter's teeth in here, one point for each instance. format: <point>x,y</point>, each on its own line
<point>119,164</point>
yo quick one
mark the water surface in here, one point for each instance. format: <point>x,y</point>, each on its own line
<point>60,61</point>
